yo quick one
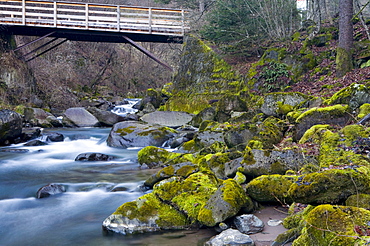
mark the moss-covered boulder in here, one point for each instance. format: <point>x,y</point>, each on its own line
<point>258,162</point>
<point>135,134</point>
<point>203,198</point>
<point>338,115</point>
<point>335,225</point>
<point>145,214</point>
<point>271,188</point>
<point>189,194</point>
<point>281,103</point>
<point>153,157</point>
<point>330,186</point>
<point>354,95</point>
<point>226,202</point>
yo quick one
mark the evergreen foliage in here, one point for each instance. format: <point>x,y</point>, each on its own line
<point>241,20</point>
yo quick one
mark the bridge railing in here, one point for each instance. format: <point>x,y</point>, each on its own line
<point>89,16</point>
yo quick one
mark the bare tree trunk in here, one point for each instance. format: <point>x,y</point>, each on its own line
<point>201,6</point>
<point>345,44</point>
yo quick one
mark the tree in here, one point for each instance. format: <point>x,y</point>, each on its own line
<point>248,20</point>
<point>345,44</point>
<point>201,5</point>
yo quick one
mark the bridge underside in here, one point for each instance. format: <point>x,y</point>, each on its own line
<point>88,35</point>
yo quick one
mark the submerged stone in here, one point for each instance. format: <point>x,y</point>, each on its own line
<point>50,189</point>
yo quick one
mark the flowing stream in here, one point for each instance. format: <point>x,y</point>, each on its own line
<point>73,217</point>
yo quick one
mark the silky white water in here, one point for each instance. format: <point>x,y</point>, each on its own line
<point>74,217</point>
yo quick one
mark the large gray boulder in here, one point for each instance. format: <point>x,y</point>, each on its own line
<point>79,117</point>
<point>338,115</point>
<point>39,117</point>
<point>10,126</point>
<point>274,103</point>
<point>168,118</point>
<point>106,118</point>
<point>136,134</point>
<point>230,237</point>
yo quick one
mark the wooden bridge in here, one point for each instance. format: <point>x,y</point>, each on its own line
<point>92,22</point>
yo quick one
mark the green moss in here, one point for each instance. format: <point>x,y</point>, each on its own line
<point>329,186</point>
<point>187,195</point>
<point>334,225</point>
<point>248,157</point>
<point>296,36</point>
<point>284,108</point>
<point>148,207</point>
<point>240,178</point>
<point>271,188</point>
<point>364,110</point>
<point>233,193</point>
<point>314,134</point>
<point>336,110</point>
<point>124,131</point>
<point>255,144</point>
<point>345,95</point>
<point>343,61</point>
<point>155,156</point>
<point>270,132</point>
<point>359,200</point>
<point>205,215</point>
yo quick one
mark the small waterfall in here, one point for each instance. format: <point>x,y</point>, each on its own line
<point>126,108</point>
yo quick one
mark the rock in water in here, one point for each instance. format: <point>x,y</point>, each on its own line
<point>55,137</point>
<point>135,134</point>
<point>80,117</point>
<point>94,157</point>
<point>50,189</point>
<point>10,126</point>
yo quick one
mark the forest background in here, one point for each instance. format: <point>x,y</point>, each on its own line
<point>240,31</point>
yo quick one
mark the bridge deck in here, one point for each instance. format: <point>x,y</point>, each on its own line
<point>92,22</point>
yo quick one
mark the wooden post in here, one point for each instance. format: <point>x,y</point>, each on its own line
<point>55,14</point>
<point>118,18</point>
<point>183,22</point>
<point>23,12</point>
<point>87,15</point>
<point>150,21</point>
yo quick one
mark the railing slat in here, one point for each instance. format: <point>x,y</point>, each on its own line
<point>93,16</point>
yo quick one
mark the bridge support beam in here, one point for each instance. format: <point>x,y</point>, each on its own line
<point>146,52</point>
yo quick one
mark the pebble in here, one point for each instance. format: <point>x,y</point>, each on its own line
<point>274,222</point>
